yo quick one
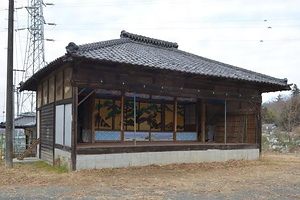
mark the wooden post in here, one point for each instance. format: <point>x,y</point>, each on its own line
<point>197,119</point>
<point>92,98</point>
<point>259,132</point>
<point>74,128</point>
<point>122,115</point>
<point>175,119</point>
<point>134,117</point>
<point>225,123</point>
<point>203,119</point>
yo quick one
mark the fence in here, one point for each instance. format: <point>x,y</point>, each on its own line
<point>20,144</point>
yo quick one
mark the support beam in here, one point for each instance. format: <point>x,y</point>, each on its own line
<point>92,121</point>
<point>225,122</point>
<point>122,115</point>
<point>259,132</point>
<point>81,91</point>
<point>74,128</point>
<point>87,96</point>
<point>175,119</point>
<point>203,119</point>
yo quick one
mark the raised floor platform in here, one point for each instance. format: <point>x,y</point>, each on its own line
<point>129,147</point>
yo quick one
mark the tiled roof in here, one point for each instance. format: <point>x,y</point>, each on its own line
<point>26,120</point>
<point>144,51</point>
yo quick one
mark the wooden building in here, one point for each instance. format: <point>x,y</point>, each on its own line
<point>138,101</point>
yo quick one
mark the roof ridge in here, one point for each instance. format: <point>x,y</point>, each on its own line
<point>73,48</point>
<point>148,40</point>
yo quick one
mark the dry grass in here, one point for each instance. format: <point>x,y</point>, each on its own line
<point>271,170</point>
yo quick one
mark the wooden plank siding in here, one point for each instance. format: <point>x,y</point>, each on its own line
<point>47,133</point>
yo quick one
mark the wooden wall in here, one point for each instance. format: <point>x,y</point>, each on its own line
<point>241,123</point>
<point>240,129</point>
<point>47,133</point>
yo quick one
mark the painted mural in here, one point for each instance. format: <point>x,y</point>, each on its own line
<point>107,116</point>
<point>148,116</point>
<point>106,111</point>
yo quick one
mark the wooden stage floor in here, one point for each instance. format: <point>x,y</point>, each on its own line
<point>142,146</point>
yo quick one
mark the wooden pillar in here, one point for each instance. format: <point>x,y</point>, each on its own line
<point>225,122</point>
<point>174,119</point>
<point>74,128</point>
<point>203,119</point>
<point>198,106</point>
<point>122,115</point>
<point>259,132</point>
<point>91,111</point>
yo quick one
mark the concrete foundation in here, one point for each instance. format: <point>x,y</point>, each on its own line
<point>162,158</point>
<point>62,158</point>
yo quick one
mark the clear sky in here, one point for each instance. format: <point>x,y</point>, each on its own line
<point>259,35</point>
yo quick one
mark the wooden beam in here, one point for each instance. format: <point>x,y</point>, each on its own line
<point>203,119</point>
<point>91,109</point>
<point>168,91</point>
<point>259,131</point>
<point>81,91</point>
<point>122,115</point>
<point>198,112</point>
<point>74,128</point>
<point>175,119</point>
<point>87,96</point>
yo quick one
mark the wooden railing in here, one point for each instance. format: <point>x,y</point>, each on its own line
<point>32,146</point>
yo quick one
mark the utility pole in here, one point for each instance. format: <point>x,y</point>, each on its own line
<point>9,89</point>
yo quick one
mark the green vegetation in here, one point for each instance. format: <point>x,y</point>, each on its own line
<point>284,114</point>
<point>47,167</point>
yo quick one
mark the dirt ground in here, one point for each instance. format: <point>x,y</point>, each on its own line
<point>273,176</point>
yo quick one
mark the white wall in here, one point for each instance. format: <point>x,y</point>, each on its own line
<point>63,124</point>
<point>59,125</point>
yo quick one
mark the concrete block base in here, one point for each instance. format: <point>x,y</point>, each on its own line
<point>162,158</point>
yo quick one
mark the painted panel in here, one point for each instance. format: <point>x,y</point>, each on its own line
<point>67,83</point>
<point>39,95</point>
<point>117,115</point>
<point>103,113</point>
<point>180,117</point>
<point>186,136</point>
<point>143,117</point>
<point>140,136</point>
<point>128,118</point>
<point>169,117</point>
<point>45,92</point>
<point>68,124</point>
<point>51,89</point>
<point>107,135</point>
<point>59,124</point>
<point>162,136</point>
<point>59,86</point>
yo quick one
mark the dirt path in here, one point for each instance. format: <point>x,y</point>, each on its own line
<point>274,176</point>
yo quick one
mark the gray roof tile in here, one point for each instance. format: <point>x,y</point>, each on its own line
<point>144,51</point>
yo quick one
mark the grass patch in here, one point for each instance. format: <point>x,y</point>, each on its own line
<point>47,167</point>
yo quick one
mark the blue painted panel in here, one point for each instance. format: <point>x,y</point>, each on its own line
<point>140,136</point>
<point>107,135</point>
<point>186,136</point>
<point>162,136</point>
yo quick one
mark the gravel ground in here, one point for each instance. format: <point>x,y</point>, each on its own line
<point>274,176</point>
